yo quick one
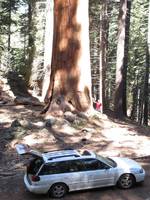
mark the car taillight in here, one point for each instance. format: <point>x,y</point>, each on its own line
<point>35,178</point>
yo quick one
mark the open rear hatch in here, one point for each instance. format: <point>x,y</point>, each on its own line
<point>33,165</point>
<point>23,149</point>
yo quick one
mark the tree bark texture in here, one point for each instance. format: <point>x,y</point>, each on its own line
<point>118,97</point>
<point>125,67</point>
<point>70,79</point>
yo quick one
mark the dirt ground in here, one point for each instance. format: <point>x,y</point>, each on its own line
<point>102,134</point>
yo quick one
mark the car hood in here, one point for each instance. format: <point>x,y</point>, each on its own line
<point>126,163</point>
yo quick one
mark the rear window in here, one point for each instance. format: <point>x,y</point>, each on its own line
<point>34,166</point>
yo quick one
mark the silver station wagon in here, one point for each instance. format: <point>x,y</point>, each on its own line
<point>62,171</point>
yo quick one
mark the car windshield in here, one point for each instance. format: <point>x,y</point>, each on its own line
<point>106,160</point>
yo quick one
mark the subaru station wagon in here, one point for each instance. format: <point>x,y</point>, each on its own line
<point>61,171</point>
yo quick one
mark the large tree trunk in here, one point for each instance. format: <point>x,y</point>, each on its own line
<point>70,79</point>
<point>118,98</point>
<point>104,29</point>
<point>127,35</point>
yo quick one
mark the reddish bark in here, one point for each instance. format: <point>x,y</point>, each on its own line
<point>68,87</point>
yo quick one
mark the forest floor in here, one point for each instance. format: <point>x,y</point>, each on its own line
<point>100,133</point>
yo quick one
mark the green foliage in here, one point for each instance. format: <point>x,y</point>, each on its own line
<point>136,54</point>
<point>17,60</point>
<point>137,51</point>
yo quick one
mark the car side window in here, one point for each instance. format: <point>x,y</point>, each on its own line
<point>55,168</point>
<point>48,169</point>
<point>93,164</point>
<point>76,166</point>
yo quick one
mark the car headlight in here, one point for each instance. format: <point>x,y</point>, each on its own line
<point>137,171</point>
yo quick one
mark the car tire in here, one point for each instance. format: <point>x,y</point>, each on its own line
<point>58,190</point>
<point>126,181</point>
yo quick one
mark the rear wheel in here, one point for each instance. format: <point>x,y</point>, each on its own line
<point>58,190</point>
<point>126,181</point>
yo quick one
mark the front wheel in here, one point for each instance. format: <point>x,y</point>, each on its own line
<point>126,181</point>
<point>58,190</point>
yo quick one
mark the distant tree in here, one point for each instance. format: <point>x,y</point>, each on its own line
<point>70,79</point>
<point>113,10</point>
<point>8,7</point>
<point>31,39</point>
<point>147,73</point>
<point>126,55</point>
<point>104,30</point>
<point>94,31</point>
<point>137,58</point>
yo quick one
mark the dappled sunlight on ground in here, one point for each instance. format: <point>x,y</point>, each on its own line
<point>126,138</point>
<point>99,134</point>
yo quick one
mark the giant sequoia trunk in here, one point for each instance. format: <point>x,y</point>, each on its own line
<point>70,79</point>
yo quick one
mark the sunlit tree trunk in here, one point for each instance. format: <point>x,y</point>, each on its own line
<point>118,97</point>
<point>70,79</point>
<point>48,45</point>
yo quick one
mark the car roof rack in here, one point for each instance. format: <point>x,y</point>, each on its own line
<point>60,154</point>
<point>56,150</point>
<point>63,156</point>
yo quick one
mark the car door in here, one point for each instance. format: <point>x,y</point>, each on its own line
<point>76,173</point>
<point>97,174</point>
<point>61,171</point>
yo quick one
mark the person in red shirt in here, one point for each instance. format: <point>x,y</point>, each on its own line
<point>98,105</point>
